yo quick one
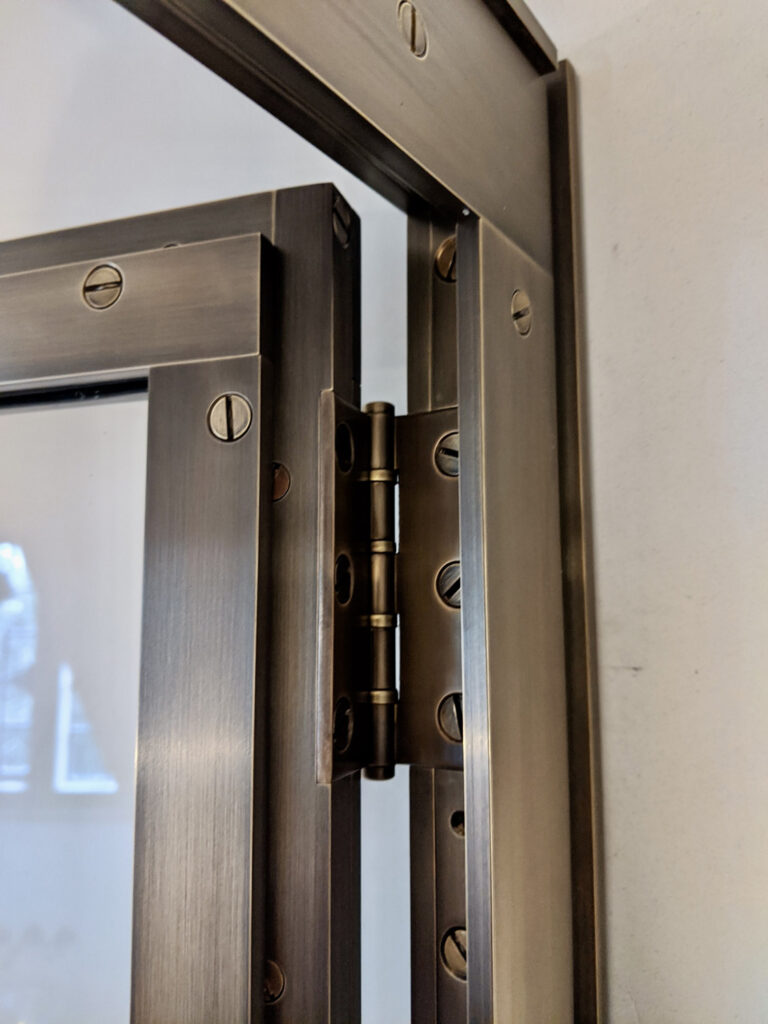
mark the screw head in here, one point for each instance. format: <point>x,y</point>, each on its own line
<point>342,221</point>
<point>274,982</point>
<point>103,286</point>
<point>522,313</point>
<point>453,952</point>
<point>448,584</point>
<point>412,28</point>
<point>445,260</point>
<point>447,454</point>
<point>450,717</point>
<point>229,417</point>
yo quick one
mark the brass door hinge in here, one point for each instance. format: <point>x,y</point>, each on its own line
<point>366,725</point>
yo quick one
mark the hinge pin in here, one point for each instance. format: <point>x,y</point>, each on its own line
<point>382,696</point>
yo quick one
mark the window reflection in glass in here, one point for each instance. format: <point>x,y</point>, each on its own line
<point>71,539</point>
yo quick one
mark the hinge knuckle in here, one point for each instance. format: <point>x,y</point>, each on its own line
<point>381,698</point>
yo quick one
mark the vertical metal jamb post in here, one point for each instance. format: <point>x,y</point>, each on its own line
<point>515,722</point>
<point>313,879</point>
<point>578,596</point>
<point>382,695</point>
<point>431,314</point>
<point>437,857</point>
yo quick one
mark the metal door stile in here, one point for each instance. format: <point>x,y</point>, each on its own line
<point>200,821</point>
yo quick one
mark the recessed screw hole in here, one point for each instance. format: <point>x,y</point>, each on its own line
<point>345,448</point>
<point>342,581</point>
<point>343,725</point>
<point>281,481</point>
<point>274,982</point>
<point>457,823</point>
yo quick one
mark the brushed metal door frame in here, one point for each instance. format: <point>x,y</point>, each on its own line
<point>463,116</point>
<point>193,324</point>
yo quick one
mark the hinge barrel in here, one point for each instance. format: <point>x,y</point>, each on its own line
<point>382,696</point>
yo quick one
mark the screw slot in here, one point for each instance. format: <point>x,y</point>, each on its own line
<point>450,717</point>
<point>274,982</point>
<point>229,417</point>
<point>345,448</point>
<point>343,725</point>
<point>412,28</point>
<point>447,454</point>
<point>448,584</point>
<point>453,952</point>
<point>522,313</point>
<point>445,260</point>
<point>103,286</point>
<point>342,580</point>
<point>457,823</point>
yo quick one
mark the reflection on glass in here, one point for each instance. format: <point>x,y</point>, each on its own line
<point>71,536</point>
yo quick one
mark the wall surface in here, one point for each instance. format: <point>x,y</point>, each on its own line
<point>100,118</point>
<point>674,122</point>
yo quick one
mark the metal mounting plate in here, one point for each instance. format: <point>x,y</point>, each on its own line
<point>430,630</point>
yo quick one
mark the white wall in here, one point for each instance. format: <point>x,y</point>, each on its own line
<point>101,119</point>
<point>674,105</point>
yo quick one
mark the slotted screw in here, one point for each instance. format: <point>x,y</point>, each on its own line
<point>412,27</point>
<point>449,584</point>
<point>103,286</point>
<point>229,417</point>
<point>450,717</point>
<point>453,950</point>
<point>445,260</point>
<point>447,454</point>
<point>522,314</point>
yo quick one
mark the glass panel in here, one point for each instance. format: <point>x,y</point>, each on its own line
<point>71,550</point>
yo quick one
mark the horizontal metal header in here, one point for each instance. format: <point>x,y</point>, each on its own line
<point>115,317</point>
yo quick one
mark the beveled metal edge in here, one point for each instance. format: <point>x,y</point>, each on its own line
<point>474,651</point>
<point>578,569</point>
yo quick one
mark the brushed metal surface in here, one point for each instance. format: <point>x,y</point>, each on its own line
<point>437,893</point>
<point>313,878</point>
<point>432,357</point>
<point>430,631</point>
<point>418,130</point>
<point>578,573</point>
<point>344,644</point>
<point>200,811</point>
<point>244,215</point>
<point>515,738</point>
<point>188,302</point>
